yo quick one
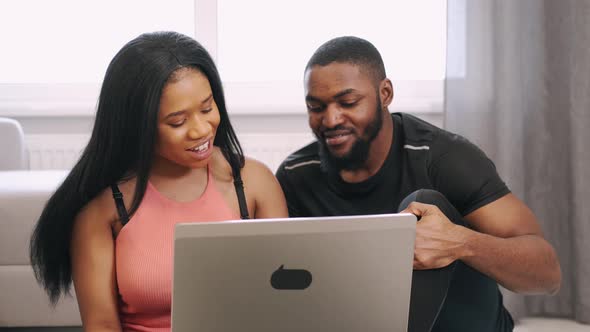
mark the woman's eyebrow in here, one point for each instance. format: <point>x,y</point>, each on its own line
<point>207,99</point>
<point>173,114</point>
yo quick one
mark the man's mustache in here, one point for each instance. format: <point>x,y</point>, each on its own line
<point>340,129</point>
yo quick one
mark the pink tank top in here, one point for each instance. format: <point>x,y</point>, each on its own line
<point>143,254</point>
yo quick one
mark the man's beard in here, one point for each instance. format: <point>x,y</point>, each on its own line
<point>359,152</point>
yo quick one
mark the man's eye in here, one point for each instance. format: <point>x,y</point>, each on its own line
<point>314,109</point>
<point>349,104</point>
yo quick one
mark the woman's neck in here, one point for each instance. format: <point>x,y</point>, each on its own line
<point>179,183</point>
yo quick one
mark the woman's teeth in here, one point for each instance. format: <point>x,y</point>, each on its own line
<point>201,147</point>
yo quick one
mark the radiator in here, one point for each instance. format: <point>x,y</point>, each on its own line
<point>61,151</point>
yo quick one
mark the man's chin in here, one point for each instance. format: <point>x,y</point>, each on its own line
<point>337,153</point>
<point>337,161</point>
<point>342,157</point>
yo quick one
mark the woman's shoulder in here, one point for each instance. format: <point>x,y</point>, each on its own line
<point>263,192</point>
<point>270,201</point>
<point>255,168</point>
<point>252,172</point>
<point>102,207</point>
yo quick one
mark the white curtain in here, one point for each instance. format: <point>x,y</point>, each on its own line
<point>518,85</point>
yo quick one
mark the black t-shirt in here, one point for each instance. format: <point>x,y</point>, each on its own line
<point>422,156</point>
<point>435,159</point>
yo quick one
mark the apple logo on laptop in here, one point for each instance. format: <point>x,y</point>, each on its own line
<point>290,279</point>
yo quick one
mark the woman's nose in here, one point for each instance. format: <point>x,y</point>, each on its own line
<point>198,129</point>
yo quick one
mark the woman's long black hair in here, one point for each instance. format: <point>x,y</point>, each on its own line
<point>122,143</point>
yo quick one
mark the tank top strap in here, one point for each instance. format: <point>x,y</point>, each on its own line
<point>120,204</point>
<point>239,185</point>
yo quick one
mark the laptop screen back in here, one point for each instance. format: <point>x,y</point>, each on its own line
<point>305,274</point>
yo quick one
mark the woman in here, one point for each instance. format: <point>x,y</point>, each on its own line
<point>162,151</point>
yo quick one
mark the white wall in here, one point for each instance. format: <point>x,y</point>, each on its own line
<point>56,142</point>
<point>243,123</point>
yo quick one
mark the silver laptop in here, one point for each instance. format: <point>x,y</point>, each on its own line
<point>323,274</point>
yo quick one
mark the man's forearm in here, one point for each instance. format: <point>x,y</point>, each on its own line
<point>523,264</point>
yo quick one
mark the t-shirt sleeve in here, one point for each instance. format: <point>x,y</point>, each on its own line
<point>289,190</point>
<point>466,176</point>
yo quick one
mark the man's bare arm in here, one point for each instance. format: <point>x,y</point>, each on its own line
<point>505,243</point>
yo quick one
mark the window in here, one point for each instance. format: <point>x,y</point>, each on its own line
<point>55,53</point>
<point>59,50</point>
<point>262,47</point>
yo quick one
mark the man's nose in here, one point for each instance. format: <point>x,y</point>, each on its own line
<point>332,116</point>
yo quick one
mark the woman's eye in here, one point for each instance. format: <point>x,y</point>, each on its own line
<point>177,124</point>
<point>207,110</point>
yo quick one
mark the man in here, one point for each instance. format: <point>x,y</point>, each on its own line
<point>366,161</point>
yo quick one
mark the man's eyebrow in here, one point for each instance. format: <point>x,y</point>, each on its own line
<point>344,92</point>
<point>338,95</point>
<point>311,98</point>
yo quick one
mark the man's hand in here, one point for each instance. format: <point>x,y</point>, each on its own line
<point>439,242</point>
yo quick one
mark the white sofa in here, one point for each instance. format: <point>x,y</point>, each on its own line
<point>12,145</point>
<point>22,301</point>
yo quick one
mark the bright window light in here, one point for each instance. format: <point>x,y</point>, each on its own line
<point>55,53</point>
<point>262,48</point>
<point>269,40</point>
<point>68,41</point>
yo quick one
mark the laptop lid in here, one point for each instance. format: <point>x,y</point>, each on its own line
<point>349,273</point>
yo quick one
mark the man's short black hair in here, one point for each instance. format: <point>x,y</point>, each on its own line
<point>353,50</point>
